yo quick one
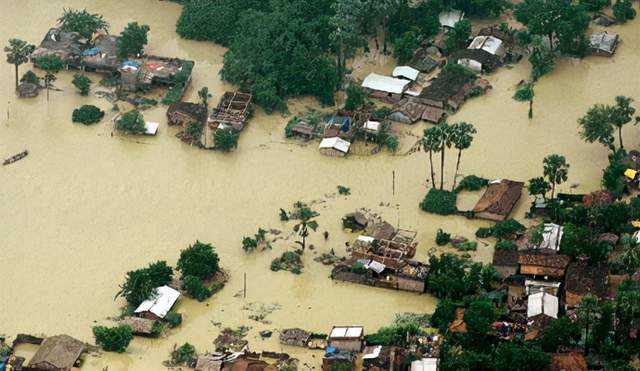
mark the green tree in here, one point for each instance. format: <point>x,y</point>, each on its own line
<point>444,132</point>
<point>556,170</point>
<point>431,143</point>
<point>195,288</point>
<point>347,33</point>
<point>621,114</point>
<point>82,22</point>
<point>30,77</point>
<point>588,313</point>
<point>87,114</point>
<point>542,61</point>
<point>453,277</point>
<point>404,46</point>
<point>355,97</point>
<point>132,40</point>
<point>539,186</point>
<point>18,53</point>
<point>461,137</point>
<point>520,357</point>
<point>629,258</point>
<point>623,11</point>
<point>479,317</point>
<point>458,37</point>
<point>525,93</point>
<point>51,64</point>
<point>184,354</point>
<point>627,312</point>
<point>131,122</point>
<point>200,260</point>
<point>113,339</point>
<point>204,96</point>
<point>304,216</point>
<point>561,332</point>
<point>141,284</point>
<point>594,5</point>
<point>595,126</point>
<point>225,139</point>
<point>82,83</point>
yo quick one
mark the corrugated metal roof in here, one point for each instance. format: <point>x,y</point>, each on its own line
<point>385,83</point>
<point>335,143</point>
<point>450,18</point>
<point>151,128</point>
<point>161,304</point>
<point>346,332</point>
<point>406,72</point>
<point>426,364</point>
<point>487,43</point>
<point>542,303</point>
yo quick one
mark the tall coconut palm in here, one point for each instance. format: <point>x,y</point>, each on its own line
<point>304,215</point>
<point>431,143</point>
<point>18,52</point>
<point>621,114</point>
<point>461,137</point>
<point>556,169</point>
<point>525,93</point>
<point>444,135</point>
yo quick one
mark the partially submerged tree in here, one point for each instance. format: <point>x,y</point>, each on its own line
<point>461,137</point>
<point>539,186</point>
<point>82,83</point>
<point>132,40</point>
<point>304,216</point>
<point>347,33</point>
<point>82,22</point>
<point>51,64</point>
<point>542,61</point>
<point>113,339</point>
<point>525,93</point>
<point>355,97</point>
<point>556,170</point>
<point>621,114</point>
<point>18,53</point>
<point>87,114</point>
<point>225,140</point>
<point>596,126</point>
<point>141,284</point>
<point>458,37</point>
<point>431,143</point>
<point>200,260</point>
<point>131,122</point>
<point>204,96</point>
<point>623,10</point>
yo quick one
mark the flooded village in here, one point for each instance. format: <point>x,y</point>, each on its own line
<point>437,186</point>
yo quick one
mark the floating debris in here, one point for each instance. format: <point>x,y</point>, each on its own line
<point>16,157</point>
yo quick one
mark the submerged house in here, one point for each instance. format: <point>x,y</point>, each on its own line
<point>446,90</point>
<point>347,338</point>
<point>58,353</point>
<point>498,200</point>
<point>140,326</point>
<point>185,114</point>
<point>157,307</point>
<point>405,72</point>
<point>233,112</point>
<point>385,87</point>
<point>477,60</point>
<point>604,43</point>
<point>407,111</point>
<point>68,46</point>
<point>334,146</point>
<point>103,56</point>
<point>295,337</point>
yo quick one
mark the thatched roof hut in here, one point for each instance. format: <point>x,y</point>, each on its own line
<point>295,336</point>
<point>498,200</point>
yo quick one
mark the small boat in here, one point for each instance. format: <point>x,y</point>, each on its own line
<point>16,157</point>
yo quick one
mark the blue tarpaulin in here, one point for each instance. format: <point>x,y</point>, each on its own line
<point>91,52</point>
<point>131,63</point>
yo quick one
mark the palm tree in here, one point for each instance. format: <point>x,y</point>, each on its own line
<point>630,256</point>
<point>51,64</point>
<point>525,93</point>
<point>444,135</point>
<point>431,143</point>
<point>18,52</point>
<point>304,214</point>
<point>556,169</point>
<point>461,137</point>
<point>596,126</point>
<point>621,114</point>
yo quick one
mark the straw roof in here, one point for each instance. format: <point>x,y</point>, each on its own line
<point>57,353</point>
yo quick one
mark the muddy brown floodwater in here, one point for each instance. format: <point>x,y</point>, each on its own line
<point>84,207</point>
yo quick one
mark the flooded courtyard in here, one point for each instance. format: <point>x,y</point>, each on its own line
<point>85,207</point>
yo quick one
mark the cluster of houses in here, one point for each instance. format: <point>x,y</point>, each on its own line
<point>100,55</point>
<point>200,126</point>
<point>382,257</point>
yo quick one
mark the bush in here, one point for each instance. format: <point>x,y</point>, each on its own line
<point>506,245</point>
<point>30,77</point>
<point>174,94</point>
<point>199,260</point>
<point>82,83</point>
<point>289,261</point>
<point>471,183</point>
<point>174,319</point>
<point>195,288</point>
<point>507,229</point>
<point>623,11</point>
<point>345,191</point>
<point>184,354</point>
<point>442,238</point>
<point>82,22</point>
<point>382,113</point>
<point>113,339</point>
<point>131,122</point>
<point>439,201</point>
<point>467,246</point>
<point>483,232</point>
<point>404,46</point>
<point>87,114</point>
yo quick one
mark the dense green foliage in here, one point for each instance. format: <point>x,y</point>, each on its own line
<point>131,122</point>
<point>442,238</point>
<point>289,260</point>
<point>471,183</point>
<point>174,319</point>
<point>506,245</point>
<point>594,5</point>
<point>200,260</point>
<point>30,77</point>
<point>184,354</point>
<point>51,64</point>
<point>225,140</point>
<point>623,10</point>
<point>113,339</point>
<point>82,83</point>
<point>439,201</point>
<point>132,40</point>
<point>355,97</point>
<point>542,61</point>
<point>404,46</point>
<point>459,36</point>
<point>87,114</point>
<point>141,284</point>
<point>454,277</point>
<point>525,93</point>
<point>82,22</point>
<point>195,288</point>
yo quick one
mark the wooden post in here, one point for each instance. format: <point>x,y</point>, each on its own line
<point>393,187</point>
<point>245,285</point>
